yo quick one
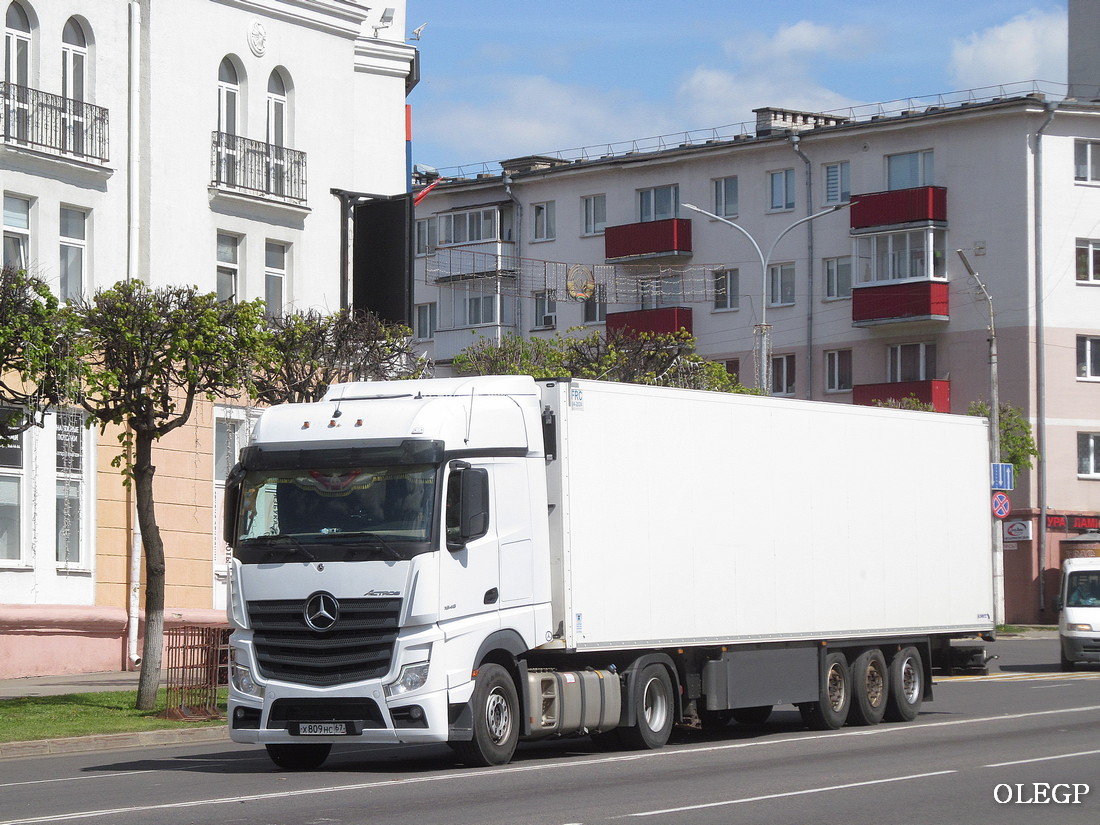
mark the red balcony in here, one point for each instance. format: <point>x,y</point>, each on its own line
<point>899,206</point>
<point>899,301</point>
<point>936,393</point>
<point>650,239</point>
<point>664,319</point>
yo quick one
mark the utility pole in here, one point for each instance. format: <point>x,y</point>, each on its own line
<point>994,447</point>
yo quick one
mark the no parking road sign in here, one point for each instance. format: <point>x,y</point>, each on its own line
<point>1001,505</point>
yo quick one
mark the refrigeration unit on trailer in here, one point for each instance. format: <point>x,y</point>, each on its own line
<point>482,560</point>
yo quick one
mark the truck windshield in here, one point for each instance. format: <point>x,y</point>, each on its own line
<point>1083,589</point>
<point>371,510</point>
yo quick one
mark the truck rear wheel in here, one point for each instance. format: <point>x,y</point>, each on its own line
<point>906,686</point>
<point>830,711</point>
<point>299,757</point>
<point>651,691</point>
<point>870,688</point>
<point>495,708</point>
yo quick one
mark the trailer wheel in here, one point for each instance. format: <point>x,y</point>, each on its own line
<point>830,712</point>
<point>299,757</point>
<point>752,716</point>
<point>715,719</point>
<point>906,686</point>
<point>652,694</point>
<point>495,706</point>
<point>870,688</point>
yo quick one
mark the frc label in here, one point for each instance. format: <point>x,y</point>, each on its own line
<point>576,398</point>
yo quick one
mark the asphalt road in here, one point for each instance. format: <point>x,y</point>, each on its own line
<point>1019,746</point>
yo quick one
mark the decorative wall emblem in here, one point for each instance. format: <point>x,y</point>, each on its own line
<point>257,38</point>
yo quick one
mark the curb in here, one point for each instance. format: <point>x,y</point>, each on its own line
<point>114,741</point>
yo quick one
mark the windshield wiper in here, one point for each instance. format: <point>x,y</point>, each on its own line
<point>346,538</point>
<point>280,544</point>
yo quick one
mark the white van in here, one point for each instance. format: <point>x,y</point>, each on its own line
<point>1079,611</point>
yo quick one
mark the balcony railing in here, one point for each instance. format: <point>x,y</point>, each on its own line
<point>916,300</point>
<point>51,123</point>
<point>899,206</point>
<point>668,238</point>
<point>259,169</point>
<point>934,392</point>
<point>660,320</point>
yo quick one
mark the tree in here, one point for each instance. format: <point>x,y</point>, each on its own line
<point>664,359</point>
<point>39,364</point>
<point>152,353</point>
<point>910,402</point>
<point>307,352</point>
<point>1017,443</point>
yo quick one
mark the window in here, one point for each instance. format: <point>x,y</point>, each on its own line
<point>733,368</point>
<point>227,266</point>
<point>276,159</point>
<point>725,197</point>
<point>594,212</point>
<point>838,187</point>
<point>780,285</point>
<point>544,221</point>
<point>1088,459</point>
<point>916,253</point>
<point>11,493</point>
<point>783,375</point>
<point>1088,357</point>
<point>909,170</point>
<point>838,370</point>
<point>911,362</point>
<point>229,91</point>
<point>464,227</point>
<point>274,278</point>
<point>74,58</point>
<point>838,277</point>
<point>595,308</point>
<point>73,242</point>
<point>781,187</point>
<point>17,236</point>
<point>727,288</point>
<point>546,309</point>
<point>426,320</point>
<point>1088,261</point>
<point>17,52</point>
<point>425,236</point>
<point>69,439</point>
<point>659,203</point>
<point>480,309</point>
<point>1086,157</point>
<point>662,292</point>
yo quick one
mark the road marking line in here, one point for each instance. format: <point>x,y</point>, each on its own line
<point>72,778</point>
<point>789,793</point>
<point>1043,759</point>
<point>555,765</point>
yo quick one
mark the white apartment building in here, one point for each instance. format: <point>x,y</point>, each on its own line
<point>868,301</point>
<point>229,144</point>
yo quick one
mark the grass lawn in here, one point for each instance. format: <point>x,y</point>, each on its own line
<point>85,714</point>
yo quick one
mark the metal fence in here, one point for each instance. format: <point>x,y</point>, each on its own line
<point>52,123</point>
<point>198,662</point>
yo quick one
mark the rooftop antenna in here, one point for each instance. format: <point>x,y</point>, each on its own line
<point>417,31</point>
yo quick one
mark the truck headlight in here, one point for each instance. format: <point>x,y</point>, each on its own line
<point>242,678</point>
<point>411,677</point>
<point>1079,628</point>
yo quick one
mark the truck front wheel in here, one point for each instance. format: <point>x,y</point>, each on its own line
<point>830,711</point>
<point>651,691</point>
<point>299,757</point>
<point>495,707</point>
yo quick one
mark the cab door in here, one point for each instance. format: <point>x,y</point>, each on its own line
<point>469,576</point>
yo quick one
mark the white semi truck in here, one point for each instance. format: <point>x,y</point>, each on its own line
<point>482,560</point>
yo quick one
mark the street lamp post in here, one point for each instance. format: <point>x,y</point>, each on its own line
<point>762,331</point>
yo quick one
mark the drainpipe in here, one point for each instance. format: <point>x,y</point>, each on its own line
<point>795,141</point>
<point>507,179</point>
<point>133,214</point>
<point>1040,356</point>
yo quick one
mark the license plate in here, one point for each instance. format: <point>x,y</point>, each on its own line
<point>322,729</point>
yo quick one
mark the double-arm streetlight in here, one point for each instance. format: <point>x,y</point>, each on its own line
<point>762,331</point>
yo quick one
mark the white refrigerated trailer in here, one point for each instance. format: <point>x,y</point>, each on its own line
<point>480,560</point>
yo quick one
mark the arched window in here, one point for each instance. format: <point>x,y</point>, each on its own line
<point>229,91</point>
<point>17,70</point>
<point>276,110</point>
<point>74,60</point>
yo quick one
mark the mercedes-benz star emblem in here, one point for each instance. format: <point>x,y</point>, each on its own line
<point>321,612</point>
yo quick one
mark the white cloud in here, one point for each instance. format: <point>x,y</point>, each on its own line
<point>792,46</point>
<point>1031,46</point>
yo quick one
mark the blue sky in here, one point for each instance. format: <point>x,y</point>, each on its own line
<point>503,78</point>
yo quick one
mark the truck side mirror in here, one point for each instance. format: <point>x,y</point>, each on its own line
<point>230,504</point>
<point>1058,603</point>
<point>472,512</point>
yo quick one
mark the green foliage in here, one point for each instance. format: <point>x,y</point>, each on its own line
<point>910,402</point>
<point>1017,444</point>
<point>39,364</point>
<point>306,352</point>
<point>664,359</point>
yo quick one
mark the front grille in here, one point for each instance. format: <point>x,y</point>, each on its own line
<point>364,711</point>
<point>360,645</point>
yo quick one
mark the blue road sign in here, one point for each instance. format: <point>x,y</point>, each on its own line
<point>1002,477</point>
